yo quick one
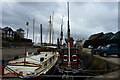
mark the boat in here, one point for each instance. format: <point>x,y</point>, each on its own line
<point>69,63</point>
<point>33,65</point>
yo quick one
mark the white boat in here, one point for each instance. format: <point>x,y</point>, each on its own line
<point>32,65</point>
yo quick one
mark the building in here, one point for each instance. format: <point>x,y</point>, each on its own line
<point>7,32</point>
<point>14,38</point>
<point>96,36</point>
<point>102,40</point>
<point>116,36</point>
<point>106,36</point>
<point>20,32</point>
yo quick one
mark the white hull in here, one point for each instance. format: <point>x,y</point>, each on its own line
<point>33,65</point>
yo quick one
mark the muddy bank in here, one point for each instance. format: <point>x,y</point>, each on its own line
<point>96,65</point>
<point>10,53</point>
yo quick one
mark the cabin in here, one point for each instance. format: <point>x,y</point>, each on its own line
<point>73,57</point>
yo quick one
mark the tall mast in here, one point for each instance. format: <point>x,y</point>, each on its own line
<point>27,23</point>
<point>61,35</point>
<point>68,24</point>
<point>51,27</point>
<point>69,63</point>
<point>52,36</point>
<point>41,33</point>
<point>33,28</point>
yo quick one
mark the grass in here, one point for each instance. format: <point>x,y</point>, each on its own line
<point>94,63</point>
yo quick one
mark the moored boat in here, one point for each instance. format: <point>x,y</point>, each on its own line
<point>70,61</point>
<point>32,65</point>
<point>70,64</point>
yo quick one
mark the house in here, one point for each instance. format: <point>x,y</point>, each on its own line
<point>96,36</point>
<point>116,36</point>
<point>7,32</point>
<point>20,32</point>
<point>106,36</point>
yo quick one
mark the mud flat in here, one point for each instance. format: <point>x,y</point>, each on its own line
<point>105,69</point>
<point>9,53</point>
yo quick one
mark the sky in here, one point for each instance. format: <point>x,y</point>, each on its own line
<point>86,18</point>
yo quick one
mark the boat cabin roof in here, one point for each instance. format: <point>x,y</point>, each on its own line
<point>35,58</point>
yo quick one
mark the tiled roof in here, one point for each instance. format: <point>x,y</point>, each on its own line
<point>116,36</point>
<point>20,29</point>
<point>7,28</point>
<point>96,36</point>
<point>107,36</point>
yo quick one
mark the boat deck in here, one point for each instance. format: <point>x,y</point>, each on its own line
<point>35,58</point>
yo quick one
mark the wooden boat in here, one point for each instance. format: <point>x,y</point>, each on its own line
<point>33,65</point>
<point>70,61</point>
<point>75,65</point>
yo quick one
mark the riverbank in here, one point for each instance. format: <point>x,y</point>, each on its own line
<point>106,68</point>
<point>9,53</point>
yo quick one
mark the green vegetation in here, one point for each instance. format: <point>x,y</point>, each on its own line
<point>96,65</point>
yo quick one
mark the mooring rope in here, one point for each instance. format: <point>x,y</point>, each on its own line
<point>12,71</point>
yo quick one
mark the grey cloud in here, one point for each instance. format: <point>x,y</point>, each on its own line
<point>93,15</point>
<point>85,17</point>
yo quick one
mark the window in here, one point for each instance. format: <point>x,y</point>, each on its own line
<point>7,32</point>
<point>50,59</point>
<point>42,59</point>
<point>10,32</point>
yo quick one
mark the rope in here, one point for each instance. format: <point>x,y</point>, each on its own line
<point>12,71</point>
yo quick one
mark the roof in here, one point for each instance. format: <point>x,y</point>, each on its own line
<point>7,28</point>
<point>36,58</point>
<point>107,36</point>
<point>116,36</point>
<point>20,29</point>
<point>96,36</point>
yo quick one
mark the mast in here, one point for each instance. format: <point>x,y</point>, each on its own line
<point>51,27</point>
<point>27,23</point>
<point>53,36</point>
<point>68,24</point>
<point>41,33</point>
<point>61,35</point>
<point>69,63</point>
<point>33,29</point>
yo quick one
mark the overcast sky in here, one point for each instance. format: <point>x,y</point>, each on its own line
<point>86,18</point>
